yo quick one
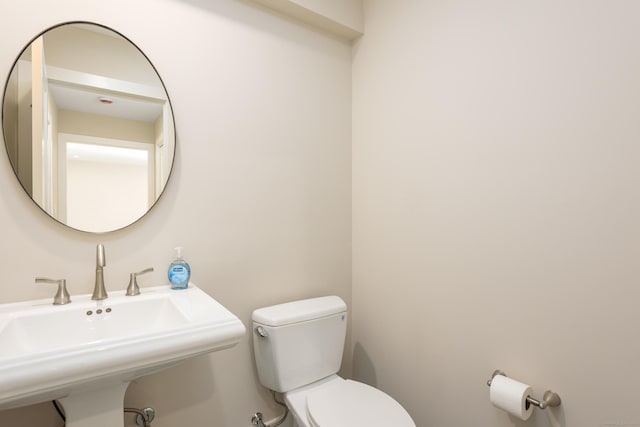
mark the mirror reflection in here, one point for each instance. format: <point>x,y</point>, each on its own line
<point>88,127</point>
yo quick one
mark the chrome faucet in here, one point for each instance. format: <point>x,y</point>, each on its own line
<point>99,292</point>
<point>133,288</point>
<point>62,296</point>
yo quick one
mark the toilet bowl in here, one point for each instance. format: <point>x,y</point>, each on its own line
<point>337,402</point>
<point>298,350</point>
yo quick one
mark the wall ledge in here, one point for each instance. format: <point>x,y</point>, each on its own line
<point>349,29</point>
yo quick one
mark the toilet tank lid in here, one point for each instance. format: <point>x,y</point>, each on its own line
<point>299,311</point>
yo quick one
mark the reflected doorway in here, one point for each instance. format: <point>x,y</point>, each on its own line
<point>104,183</point>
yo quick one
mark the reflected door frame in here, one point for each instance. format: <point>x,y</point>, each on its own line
<point>65,138</point>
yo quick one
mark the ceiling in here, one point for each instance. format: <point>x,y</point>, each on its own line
<point>87,100</point>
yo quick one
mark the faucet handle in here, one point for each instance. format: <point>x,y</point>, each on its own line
<point>133,288</point>
<point>62,296</point>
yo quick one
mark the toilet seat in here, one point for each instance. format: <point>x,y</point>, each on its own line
<point>350,403</point>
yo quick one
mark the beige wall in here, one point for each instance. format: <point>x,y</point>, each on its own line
<point>496,206</point>
<point>259,195</point>
<point>122,199</point>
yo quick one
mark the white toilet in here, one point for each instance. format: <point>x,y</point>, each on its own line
<point>298,349</point>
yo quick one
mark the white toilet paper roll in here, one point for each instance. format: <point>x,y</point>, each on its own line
<point>511,396</point>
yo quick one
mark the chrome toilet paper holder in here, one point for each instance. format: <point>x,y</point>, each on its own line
<point>549,398</point>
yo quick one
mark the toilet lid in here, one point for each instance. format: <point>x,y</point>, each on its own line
<point>350,403</point>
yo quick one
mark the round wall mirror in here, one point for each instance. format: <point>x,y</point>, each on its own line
<point>88,127</point>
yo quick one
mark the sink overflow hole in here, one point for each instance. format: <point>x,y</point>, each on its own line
<point>98,311</point>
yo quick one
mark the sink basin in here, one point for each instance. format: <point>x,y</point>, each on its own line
<point>56,352</point>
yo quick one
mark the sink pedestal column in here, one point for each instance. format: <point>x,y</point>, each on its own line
<point>92,408</point>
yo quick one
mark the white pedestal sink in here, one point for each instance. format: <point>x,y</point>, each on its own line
<point>85,353</point>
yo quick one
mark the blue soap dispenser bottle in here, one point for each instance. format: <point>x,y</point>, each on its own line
<point>179,271</point>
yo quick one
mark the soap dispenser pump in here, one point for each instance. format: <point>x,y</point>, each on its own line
<point>179,271</point>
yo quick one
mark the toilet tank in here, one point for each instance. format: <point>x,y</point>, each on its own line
<point>300,342</point>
